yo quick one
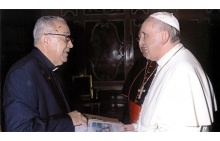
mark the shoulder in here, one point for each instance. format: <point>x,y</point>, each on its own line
<point>24,65</point>
<point>185,61</point>
<point>138,65</point>
<point>185,67</point>
<point>22,75</point>
<point>140,62</point>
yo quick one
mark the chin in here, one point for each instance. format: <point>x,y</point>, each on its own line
<point>61,63</point>
<point>145,56</point>
<point>64,59</point>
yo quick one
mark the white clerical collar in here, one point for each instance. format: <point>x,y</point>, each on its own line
<point>168,55</point>
<point>56,68</point>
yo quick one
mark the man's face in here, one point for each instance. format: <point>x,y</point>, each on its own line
<point>60,44</point>
<point>149,42</point>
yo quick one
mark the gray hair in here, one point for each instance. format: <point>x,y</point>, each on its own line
<point>174,33</point>
<point>45,25</point>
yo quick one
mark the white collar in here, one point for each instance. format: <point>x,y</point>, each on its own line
<point>168,55</point>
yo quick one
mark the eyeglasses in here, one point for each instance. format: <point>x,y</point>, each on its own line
<point>67,37</point>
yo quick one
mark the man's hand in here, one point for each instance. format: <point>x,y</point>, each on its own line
<point>78,118</point>
<point>128,127</point>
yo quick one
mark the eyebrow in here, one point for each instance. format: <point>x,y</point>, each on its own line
<point>144,33</point>
<point>66,32</point>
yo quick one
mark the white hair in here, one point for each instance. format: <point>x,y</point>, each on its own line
<point>45,25</point>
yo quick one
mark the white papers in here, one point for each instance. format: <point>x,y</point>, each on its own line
<point>99,125</point>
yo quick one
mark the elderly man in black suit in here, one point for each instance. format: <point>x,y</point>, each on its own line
<point>33,95</point>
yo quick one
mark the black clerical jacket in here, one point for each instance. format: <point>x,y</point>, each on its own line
<point>32,100</point>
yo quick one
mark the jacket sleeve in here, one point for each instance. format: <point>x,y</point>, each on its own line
<point>20,104</point>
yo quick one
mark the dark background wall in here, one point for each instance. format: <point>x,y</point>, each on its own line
<point>105,45</point>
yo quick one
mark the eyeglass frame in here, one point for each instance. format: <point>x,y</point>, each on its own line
<point>67,37</point>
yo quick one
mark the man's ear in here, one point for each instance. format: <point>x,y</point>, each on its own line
<point>44,43</point>
<point>165,37</point>
<point>45,39</point>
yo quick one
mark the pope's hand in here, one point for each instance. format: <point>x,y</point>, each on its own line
<point>128,127</point>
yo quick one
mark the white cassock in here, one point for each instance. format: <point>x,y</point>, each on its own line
<point>181,96</point>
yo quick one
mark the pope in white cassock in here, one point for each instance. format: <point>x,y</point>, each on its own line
<point>181,96</point>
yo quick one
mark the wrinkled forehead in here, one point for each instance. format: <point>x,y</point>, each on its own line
<point>148,23</point>
<point>147,26</point>
<point>61,27</point>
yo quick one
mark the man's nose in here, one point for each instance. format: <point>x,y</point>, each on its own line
<point>70,44</point>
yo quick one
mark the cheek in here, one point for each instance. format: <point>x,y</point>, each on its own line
<point>60,49</point>
<point>63,55</point>
<point>57,55</point>
<point>150,44</point>
<point>154,42</point>
<point>152,47</point>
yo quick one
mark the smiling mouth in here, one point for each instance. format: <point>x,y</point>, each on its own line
<point>143,48</point>
<point>66,53</point>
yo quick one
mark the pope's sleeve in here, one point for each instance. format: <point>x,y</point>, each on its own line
<point>182,102</point>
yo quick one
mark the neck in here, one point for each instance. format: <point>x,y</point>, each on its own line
<point>166,48</point>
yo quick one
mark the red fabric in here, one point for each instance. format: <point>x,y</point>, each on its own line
<point>134,111</point>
